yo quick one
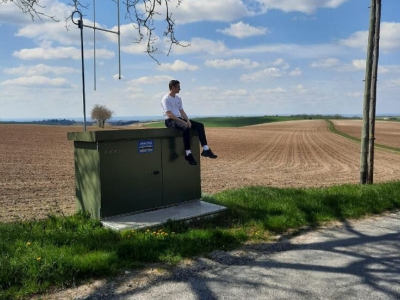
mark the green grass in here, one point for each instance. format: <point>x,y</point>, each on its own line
<point>62,251</point>
<point>243,121</point>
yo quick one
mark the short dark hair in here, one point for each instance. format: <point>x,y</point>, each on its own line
<point>173,83</point>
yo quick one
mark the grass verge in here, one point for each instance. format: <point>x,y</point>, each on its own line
<point>62,251</point>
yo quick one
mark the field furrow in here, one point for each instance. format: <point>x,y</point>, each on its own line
<point>300,154</point>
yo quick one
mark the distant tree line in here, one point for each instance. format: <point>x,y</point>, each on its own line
<point>122,123</point>
<point>63,122</point>
<point>319,116</point>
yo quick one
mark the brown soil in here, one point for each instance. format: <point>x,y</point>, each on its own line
<point>37,163</point>
<point>386,133</point>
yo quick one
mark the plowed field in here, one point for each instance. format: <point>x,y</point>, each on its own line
<point>37,164</point>
<point>386,133</point>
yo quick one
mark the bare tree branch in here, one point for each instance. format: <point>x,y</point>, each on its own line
<point>142,14</point>
<point>31,7</point>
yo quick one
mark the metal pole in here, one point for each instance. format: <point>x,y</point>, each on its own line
<point>80,26</point>
<point>119,43</point>
<point>374,79</point>
<point>367,96</point>
<point>94,43</point>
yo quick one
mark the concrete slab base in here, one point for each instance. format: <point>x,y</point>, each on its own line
<point>154,218</point>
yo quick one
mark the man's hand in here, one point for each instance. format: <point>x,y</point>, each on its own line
<point>184,122</point>
<point>189,124</point>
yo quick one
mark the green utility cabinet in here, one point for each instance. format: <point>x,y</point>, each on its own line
<point>125,171</point>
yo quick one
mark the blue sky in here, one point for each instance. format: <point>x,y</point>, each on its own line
<point>246,57</point>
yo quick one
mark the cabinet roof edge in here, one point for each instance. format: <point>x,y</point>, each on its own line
<point>123,134</point>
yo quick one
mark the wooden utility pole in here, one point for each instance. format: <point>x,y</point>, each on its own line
<point>367,96</point>
<point>372,107</point>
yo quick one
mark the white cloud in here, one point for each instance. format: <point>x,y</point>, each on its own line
<point>272,72</point>
<point>389,69</point>
<point>178,65</point>
<point>359,64</point>
<point>60,53</point>
<point>299,88</point>
<point>40,69</point>
<point>234,93</point>
<point>57,32</point>
<point>132,45</point>
<point>134,89</point>
<point>394,82</point>
<point>151,80</point>
<point>198,45</point>
<point>128,34</point>
<point>355,65</point>
<point>39,81</point>
<point>10,13</point>
<point>292,50</point>
<point>325,63</point>
<point>241,30</point>
<point>134,48</point>
<point>383,70</point>
<point>389,38</point>
<point>190,11</point>
<point>305,6</point>
<point>355,94</point>
<point>116,77</point>
<point>278,90</point>
<point>336,65</point>
<point>232,63</point>
<point>208,88</point>
<point>295,72</point>
<point>54,31</point>
<point>356,40</point>
<point>261,75</point>
<point>281,63</point>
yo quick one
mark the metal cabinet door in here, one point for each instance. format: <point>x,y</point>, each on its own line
<point>181,181</point>
<point>131,176</point>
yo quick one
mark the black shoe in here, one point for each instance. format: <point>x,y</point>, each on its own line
<point>208,153</point>
<point>191,159</point>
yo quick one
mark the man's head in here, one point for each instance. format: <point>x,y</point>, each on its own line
<point>174,85</point>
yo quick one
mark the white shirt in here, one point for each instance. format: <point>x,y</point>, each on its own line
<point>172,104</point>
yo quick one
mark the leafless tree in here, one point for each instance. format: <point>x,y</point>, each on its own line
<point>142,14</point>
<point>101,114</point>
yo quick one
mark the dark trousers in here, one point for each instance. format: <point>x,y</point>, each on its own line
<point>199,127</point>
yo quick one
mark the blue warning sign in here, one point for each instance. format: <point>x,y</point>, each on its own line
<point>145,146</point>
